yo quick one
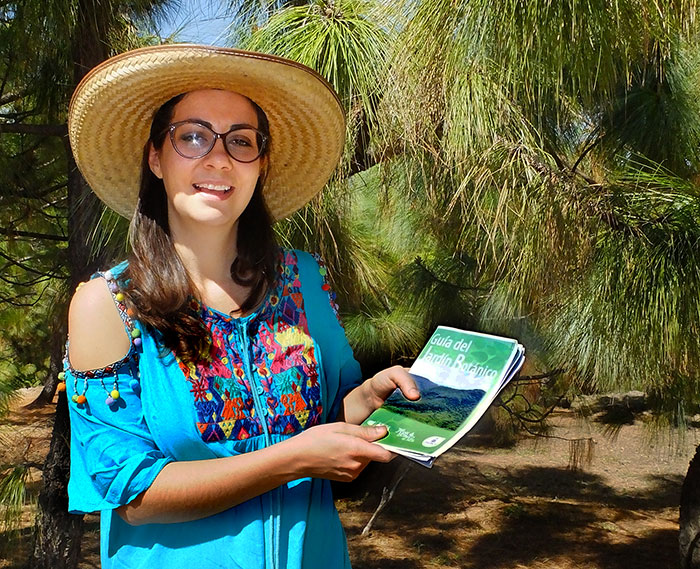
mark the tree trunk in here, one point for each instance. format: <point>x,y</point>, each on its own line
<point>58,340</point>
<point>689,538</point>
<point>57,533</point>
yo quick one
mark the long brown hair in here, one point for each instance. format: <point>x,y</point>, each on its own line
<point>159,289</point>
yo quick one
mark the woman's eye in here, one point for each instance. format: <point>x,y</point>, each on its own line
<point>193,138</point>
<point>239,141</point>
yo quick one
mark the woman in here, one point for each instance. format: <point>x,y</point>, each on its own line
<point>213,393</point>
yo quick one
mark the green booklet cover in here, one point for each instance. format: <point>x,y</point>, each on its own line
<point>459,374</point>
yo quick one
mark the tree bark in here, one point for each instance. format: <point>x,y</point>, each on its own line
<point>58,339</point>
<point>57,533</point>
<point>689,537</point>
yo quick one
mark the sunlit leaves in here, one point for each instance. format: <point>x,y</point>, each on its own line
<point>341,40</point>
<point>537,176</point>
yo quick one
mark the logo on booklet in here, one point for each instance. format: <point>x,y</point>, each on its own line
<point>433,441</point>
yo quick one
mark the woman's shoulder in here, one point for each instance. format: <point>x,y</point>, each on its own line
<point>294,258</point>
<point>100,293</point>
<point>96,327</point>
<point>312,275</point>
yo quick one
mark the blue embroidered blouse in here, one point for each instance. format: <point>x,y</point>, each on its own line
<point>275,372</point>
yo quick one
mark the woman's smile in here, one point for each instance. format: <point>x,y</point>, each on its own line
<point>221,185</point>
<point>220,191</point>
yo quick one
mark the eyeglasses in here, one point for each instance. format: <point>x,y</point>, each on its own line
<point>192,139</point>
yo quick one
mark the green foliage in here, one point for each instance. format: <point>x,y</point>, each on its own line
<point>346,42</point>
<point>525,168</point>
<point>13,495</point>
<point>36,219</point>
<point>537,176</point>
<point>32,257</point>
<point>341,40</point>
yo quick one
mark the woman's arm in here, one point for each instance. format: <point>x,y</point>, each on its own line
<point>189,490</point>
<point>185,491</point>
<point>371,394</point>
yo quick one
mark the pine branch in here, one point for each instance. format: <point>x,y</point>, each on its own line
<point>29,149</point>
<point>39,129</point>
<point>18,117</point>
<point>25,267</point>
<point>51,274</point>
<point>31,234</point>
<point>31,193</point>
<point>6,77</point>
<point>29,283</point>
<point>11,98</point>
<point>17,303</point>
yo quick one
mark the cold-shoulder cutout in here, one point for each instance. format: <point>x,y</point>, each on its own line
<point>96,332</point>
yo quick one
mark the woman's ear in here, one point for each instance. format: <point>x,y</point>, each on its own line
<point>154,161</point>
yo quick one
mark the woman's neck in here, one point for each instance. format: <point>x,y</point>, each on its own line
<point>207,256</point>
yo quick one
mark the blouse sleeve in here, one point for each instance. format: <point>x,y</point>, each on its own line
<point>341,370</point>
<point>113,457</point>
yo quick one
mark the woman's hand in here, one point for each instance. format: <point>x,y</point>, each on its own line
<point>361,401</point>
<point>337,451</point>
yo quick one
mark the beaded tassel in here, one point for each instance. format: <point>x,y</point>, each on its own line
<point>61,382</point>
<point>113,394</point>
<point>80,399</point>
<point>119,298</point>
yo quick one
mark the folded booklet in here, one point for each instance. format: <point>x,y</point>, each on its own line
<point>459,374</point>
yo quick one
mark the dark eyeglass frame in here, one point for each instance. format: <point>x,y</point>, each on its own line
<point>222,135</point>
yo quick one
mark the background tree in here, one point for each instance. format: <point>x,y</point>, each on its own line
<point>526,168</point>
<point>521,167</point>
<point>49,213</point>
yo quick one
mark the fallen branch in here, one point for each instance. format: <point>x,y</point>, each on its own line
<point>388,493</point>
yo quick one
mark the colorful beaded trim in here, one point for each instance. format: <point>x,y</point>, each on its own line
<point>113,394</point>
<point>327,287</point>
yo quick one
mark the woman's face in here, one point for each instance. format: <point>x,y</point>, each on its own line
<point>215,189</point>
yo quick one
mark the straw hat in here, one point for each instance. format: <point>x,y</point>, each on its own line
<point>111,111</point>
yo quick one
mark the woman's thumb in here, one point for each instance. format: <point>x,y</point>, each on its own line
<point>372,433</point>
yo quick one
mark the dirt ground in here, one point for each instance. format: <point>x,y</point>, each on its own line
<point>481,507</point>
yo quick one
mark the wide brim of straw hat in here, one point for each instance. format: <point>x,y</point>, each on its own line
<point>112,108</point>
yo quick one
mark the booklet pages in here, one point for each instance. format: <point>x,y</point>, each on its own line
<point>459,374</point>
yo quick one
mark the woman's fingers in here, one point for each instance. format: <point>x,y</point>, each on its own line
<point>391,378</point>
<point>366,432</point>
<point>407,384</point>
<point>340,451</point>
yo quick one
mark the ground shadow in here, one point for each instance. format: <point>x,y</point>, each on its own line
<point>435,491</point>
<point>368,556</point>
<point>562,483</point>
<point>656,550</point>
<point>543,513</point>
<point>574,533</point>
